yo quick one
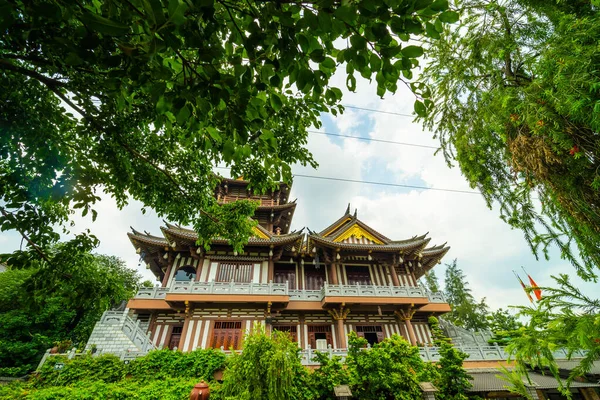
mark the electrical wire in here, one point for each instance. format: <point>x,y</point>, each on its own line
<point>374,140</point>
<point>379,111</point>
<point>328,178</point>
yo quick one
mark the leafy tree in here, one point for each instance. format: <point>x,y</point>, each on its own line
<point>466,312</point>
<point>391,369</point>
<point>40,306</point>
<point>268,368</point>
<point>141,98</point>
<point>564,318</point>
<point>504,325</point>
<point>453,381</point>
<point>516,105</point>
<point>437,333</point>
<point>331,373</point>
<point>431,281</point>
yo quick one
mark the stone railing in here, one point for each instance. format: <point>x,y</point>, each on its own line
<point>281,289</point>
<point>130,328</point>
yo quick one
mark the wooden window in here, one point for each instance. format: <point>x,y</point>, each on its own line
<point>291,329</point>
<point>227,272</point>
<point>285,273</point>
<point>227,334</point>
<point>373,333</point>
<point>358,275</point>
<point>319,332</point>
<point>175,337</point>
<point>314,278</point>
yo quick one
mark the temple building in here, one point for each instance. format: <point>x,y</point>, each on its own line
<point>318,286</point>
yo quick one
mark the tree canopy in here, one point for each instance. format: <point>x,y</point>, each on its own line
<point>40,306</point>
<point>466,311</point>
<point>516,103</point>
<point>142,98</point>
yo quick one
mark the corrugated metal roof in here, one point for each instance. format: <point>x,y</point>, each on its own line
<point>570,364</point>
<point>487,381</point>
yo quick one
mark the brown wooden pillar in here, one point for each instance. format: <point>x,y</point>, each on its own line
<point>411,332</point>
<point>333,273</point>
<point>165,280</point>
<point>270,270</point>
<point>394,273</point>
<point>340,316</point>
<point>589,393</point>
<point>186,324</point>
<point>406,316</point>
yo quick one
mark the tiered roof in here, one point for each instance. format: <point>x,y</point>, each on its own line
<point>351,234</point>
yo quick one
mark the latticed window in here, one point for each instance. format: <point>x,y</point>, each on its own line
<point>227,334</point>
<point>291,329</point>
<point>373,333</point>
<point>236,272</point>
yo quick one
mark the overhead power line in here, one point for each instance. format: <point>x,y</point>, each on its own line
<point>374,140</point>
<point>379,111</point>
<point>385,184</point>
<point>328,178</point>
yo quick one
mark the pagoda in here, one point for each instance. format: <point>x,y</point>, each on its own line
<point>318,286</point>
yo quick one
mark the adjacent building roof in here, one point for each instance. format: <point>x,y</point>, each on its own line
<point>488,380</point>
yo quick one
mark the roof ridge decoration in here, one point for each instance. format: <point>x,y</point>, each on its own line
<point>360,229</point>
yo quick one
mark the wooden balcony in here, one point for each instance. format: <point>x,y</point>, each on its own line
<point>229,289</point>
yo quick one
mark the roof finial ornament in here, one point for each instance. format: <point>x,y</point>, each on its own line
<point>355,213</point>
<point>348,209</point>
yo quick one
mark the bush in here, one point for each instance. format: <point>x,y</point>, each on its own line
<point>330,374</point>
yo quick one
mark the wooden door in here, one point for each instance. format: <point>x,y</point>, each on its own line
<point>175,337</point>
<point>315,279</point>
<point>319,332</point>
<point>373,333</point>
<point>227,334</point>
<point>358,275</point>
<point>285,273</point>
<point>291,329</point>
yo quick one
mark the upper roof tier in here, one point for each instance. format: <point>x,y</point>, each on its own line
<point>350,234</point>
<point>274,208</point>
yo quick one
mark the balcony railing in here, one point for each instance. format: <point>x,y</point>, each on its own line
<point>281,289</point>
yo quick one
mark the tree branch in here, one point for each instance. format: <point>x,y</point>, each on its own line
<point>24,236</point>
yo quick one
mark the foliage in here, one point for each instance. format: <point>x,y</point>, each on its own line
<point>156,365</point>
<point>168,389</point>
<point>453,380</point>
<point>40,306</point>
<point>141,98</point>
<point>517,105</point>
<point>431,281</point>
<point>331,373</point>
<point>437,333</point>
<point>268,368</point>
<point>504,325</point>
<point>466,312</point>
<point>391,369</point>
<point>564,318</point>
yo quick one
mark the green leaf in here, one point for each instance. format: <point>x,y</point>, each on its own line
<point>351,83</point>
<point>177,11</point>
<point>183,115</point>
<point>420,109</point>
<point>412,51</point>
<point>275,101</point>
<point>104,25</point>
<point>328,63</point>
<point>346,13</point>
<point>449,17</point>
<point>228,150</point>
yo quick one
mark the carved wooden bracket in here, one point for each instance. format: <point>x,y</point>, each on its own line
<point>342,313</point>
<point>406,315</point>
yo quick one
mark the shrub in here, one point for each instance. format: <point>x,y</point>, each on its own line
<point>330,374</point>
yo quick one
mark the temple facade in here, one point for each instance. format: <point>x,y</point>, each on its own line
<point>318,286</point>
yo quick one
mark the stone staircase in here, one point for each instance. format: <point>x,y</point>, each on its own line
<point>117,332</point>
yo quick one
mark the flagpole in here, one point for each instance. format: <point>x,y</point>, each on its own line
<point>523,286</point>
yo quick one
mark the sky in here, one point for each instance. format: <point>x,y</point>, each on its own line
<point>486,248</point>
